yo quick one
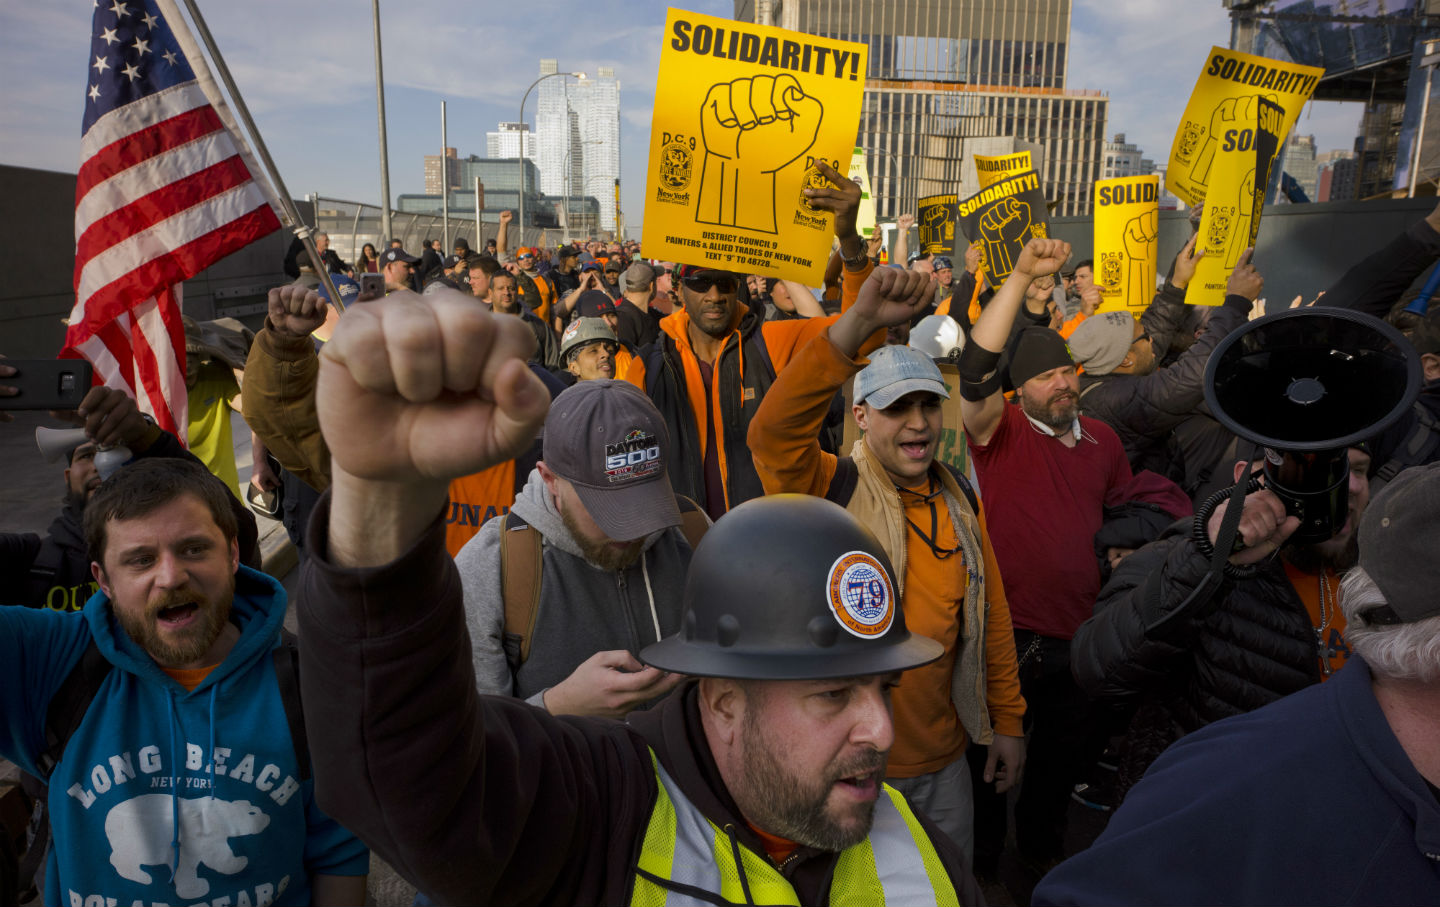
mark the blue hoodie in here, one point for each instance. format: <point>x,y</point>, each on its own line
<point>218,759</point>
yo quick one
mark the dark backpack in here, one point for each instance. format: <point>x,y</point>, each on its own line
<point>1421,446</point>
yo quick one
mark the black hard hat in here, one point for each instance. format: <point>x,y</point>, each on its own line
<point>790,587</point>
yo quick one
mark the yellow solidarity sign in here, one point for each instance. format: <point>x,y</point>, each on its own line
<point>1223,102</point>
<point>1235,202</point>
<point>1127,218</point>
<point>991,169</point>
<point>865,217</point>
<point>742,113</point>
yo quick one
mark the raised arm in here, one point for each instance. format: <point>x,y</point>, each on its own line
<point>279,399</point>
<point>502,235</point>
<point>981,401</point>
<point>784,435</point>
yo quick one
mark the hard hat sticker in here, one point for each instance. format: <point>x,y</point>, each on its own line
<point>861,597</point>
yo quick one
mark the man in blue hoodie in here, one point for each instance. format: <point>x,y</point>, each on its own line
<point>181,782</point>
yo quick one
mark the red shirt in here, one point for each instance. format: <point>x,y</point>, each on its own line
<point>1045,502</point>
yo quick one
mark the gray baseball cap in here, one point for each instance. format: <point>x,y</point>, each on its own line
<point>609,441</point>
<point>582,331</point>
<point>1397,544</point>
<point>895,371</point>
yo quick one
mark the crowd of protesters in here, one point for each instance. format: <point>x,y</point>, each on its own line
<point>542,662</point>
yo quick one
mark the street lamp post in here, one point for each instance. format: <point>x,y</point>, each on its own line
<point>525,128</point>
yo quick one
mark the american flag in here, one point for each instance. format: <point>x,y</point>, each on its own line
<point>166,188</point>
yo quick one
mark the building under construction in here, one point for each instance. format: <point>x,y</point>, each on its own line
<point>1375,52</point>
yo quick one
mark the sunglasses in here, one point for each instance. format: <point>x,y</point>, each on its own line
<point>522,257</point>
<point>1145,335</point>
<point>702,284</point>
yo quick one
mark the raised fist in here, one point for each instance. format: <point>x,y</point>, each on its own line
<point>905,221</point>
<point>1002,227</point>
<point>295,311</point>
<point>506,217</point>
<point>427,388</point>
<point>764,123</point>
<point>1041,257</point>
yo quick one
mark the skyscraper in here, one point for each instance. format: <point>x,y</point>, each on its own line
<point>506,142</point>
<point>949,79</point>
<point>437,179</point>
<point>577,125</point>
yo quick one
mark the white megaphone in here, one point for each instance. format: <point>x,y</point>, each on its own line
<point>55,443</point>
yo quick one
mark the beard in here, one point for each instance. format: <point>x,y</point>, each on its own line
<point>601,554</point>
<point>796,808</point>
<point>172,651</point>
<point>1336,555</point>
<point>1058,411</point>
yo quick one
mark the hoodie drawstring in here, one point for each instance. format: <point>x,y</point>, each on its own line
<point>174,800</point>
<point>739,862</point>
<point>650,593</point>
<point>213,687</point>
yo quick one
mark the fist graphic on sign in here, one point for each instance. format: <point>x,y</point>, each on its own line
<point>752,128</point>
<point>1003,228</point>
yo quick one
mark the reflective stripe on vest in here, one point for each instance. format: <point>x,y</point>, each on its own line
<point>896,864</point>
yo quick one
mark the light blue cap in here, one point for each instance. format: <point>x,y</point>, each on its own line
<point>895,371</point>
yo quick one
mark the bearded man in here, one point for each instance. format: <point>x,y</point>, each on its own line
<point>599,513</point>
<point>184,749</point>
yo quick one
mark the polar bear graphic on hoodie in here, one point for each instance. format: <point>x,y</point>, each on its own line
<point>140,833</point>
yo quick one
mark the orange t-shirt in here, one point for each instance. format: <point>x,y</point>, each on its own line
<point>476,498</point>
<point>1307,586</point>
<point>189,678</point>
<point>928,734</point>
<point>777,848</point>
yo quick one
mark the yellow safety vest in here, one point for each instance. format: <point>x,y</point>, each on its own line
<point>895,865</point>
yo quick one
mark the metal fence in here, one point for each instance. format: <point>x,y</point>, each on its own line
<point>353,224</point>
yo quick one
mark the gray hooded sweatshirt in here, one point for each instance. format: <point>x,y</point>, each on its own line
<point>583,609</point>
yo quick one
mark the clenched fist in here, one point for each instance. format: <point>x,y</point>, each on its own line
<point>1041,257</point>
<point>295,311</point>
<point>417,389</point>
<point>765,122</point>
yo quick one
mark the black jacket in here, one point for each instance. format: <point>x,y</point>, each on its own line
<point>665,383</point>
<point>1144,409</point>
<point>1241,647</point>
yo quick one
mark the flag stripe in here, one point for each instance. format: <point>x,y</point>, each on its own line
<point>211,246</point>
<point>160,252</point>
<point>159,374</point>
<point>137,115</point>
<point>149,210</point>
<point>140,146</point>
<point>142,179</point>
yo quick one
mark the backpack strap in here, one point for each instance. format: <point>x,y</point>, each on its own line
<point>69,704</point>
<point>965,486</point>
<point>521,565</point>
<point>843,483</point>
<point>287,676</point>
<point>693,521</point>
<point>1417,449</point>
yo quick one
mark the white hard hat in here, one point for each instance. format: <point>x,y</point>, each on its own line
<point>938,336</point>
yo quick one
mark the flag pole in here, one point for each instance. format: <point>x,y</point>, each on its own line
<point>287,204</point>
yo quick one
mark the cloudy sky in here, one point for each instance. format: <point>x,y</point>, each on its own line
<point>306,71</point>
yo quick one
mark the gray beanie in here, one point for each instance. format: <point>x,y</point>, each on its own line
<point>1102,340</point>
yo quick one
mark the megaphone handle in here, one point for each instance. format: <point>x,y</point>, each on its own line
<point>1200,597</point>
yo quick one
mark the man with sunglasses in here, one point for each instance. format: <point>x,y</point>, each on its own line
<point>532,287</point>
<point>716,358</point>
<point>1122,384</point>
<point>930,523</point>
